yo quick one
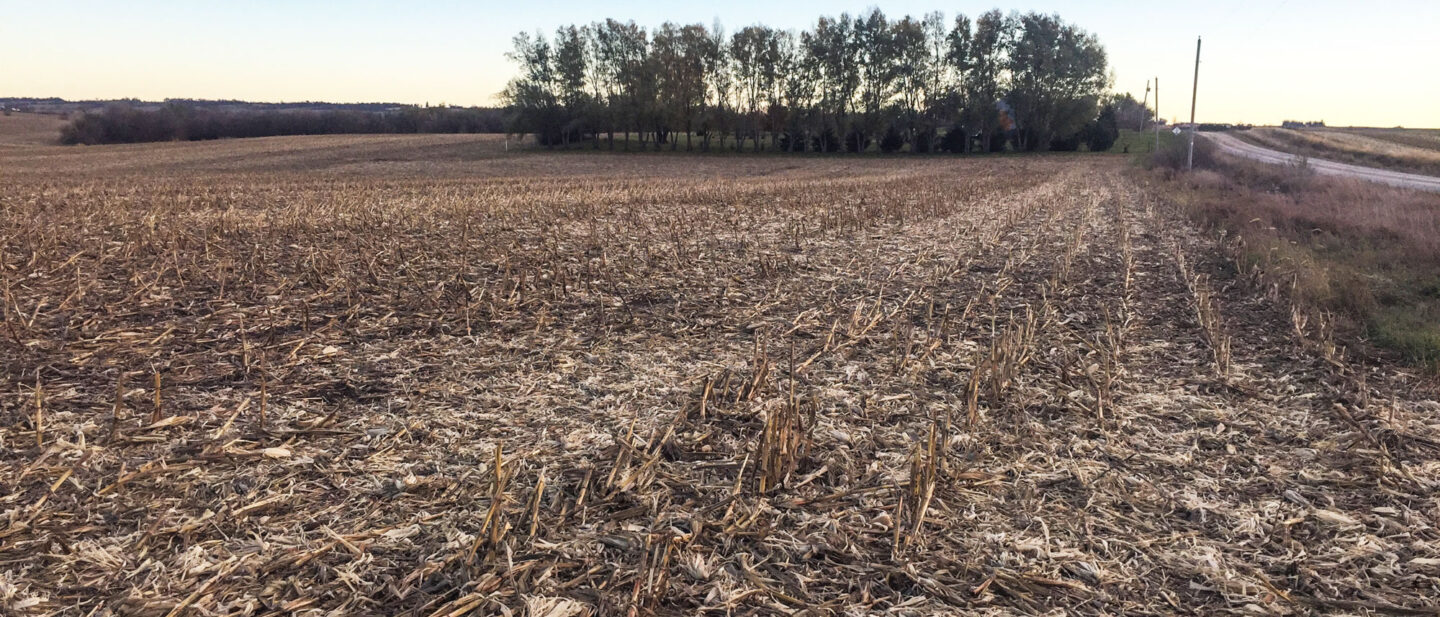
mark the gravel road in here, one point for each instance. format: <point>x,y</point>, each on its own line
<point>1233,145</point>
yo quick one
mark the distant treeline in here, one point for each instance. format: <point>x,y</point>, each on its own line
<point>1218,127</point>
<point>181,122</point>
<point>848,83</point>
<point>64,106</point>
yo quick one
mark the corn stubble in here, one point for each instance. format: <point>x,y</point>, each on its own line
<point>613,385</point>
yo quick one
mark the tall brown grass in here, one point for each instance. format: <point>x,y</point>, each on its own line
<point>1366,253</point>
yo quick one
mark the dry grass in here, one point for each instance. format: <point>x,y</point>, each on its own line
<point>29,130</point>
<point>1365,254</point>
<point>1410,150</point>
<point>416,376</point>
<point>1426,139</point>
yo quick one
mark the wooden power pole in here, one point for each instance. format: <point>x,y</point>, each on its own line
<point>1143,102</point>
<point>1157,113</point>
<point>1190,157</point>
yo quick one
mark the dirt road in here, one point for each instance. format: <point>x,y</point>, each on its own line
<point>1231,144</point>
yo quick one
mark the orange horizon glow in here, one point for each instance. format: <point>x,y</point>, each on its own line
<point>1263,62</point>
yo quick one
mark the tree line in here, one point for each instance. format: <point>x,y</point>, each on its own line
<point>178,121</point>
<point>1024,81</point>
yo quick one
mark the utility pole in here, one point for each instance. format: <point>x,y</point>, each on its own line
<point>1157,113</point>
<point>1190,158</point>
<point>1143,101</point>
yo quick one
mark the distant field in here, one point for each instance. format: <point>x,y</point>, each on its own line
<point>29,129</point>
<point>1412,150</point>
<point>333,154</point>
<point>1428,139</point>
<point>422,375</point>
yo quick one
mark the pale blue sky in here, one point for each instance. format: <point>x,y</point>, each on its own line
<point>1363,63</point>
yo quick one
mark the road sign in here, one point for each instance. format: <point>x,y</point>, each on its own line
<point>1176,130</point>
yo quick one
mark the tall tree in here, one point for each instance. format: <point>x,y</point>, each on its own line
<point>720,80</point>
<point>800,74</point>
<point>678,56</point>
<point>703,58</point>
<point>830,46</point>
<point>1057,77</point>
<point>837,85</point>
<point>1130,113</point>
<point>626,54</point>
<point>776,68</point>
<point>753,52</point>
<point>953,65</point>
<point>571,64</point>
<point>605,73</point>
<point>940,105</point>
<point>985,75</point>
<point>911,72</point>
<point>667,56</point>
<point>873,43</point>
<point>532,96</point>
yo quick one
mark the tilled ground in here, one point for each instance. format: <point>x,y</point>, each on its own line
<point>678,385</point>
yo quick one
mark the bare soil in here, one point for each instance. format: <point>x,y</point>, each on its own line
<point>422,376</point>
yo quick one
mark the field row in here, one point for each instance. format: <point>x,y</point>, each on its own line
<point>1000,386</point>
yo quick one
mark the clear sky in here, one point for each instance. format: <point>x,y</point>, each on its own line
<point>1374,63</point>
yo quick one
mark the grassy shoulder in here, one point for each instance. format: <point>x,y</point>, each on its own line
<point>1360,256</point>
<point>1141,142</point>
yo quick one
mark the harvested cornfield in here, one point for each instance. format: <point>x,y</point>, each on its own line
<point>422,376</point>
